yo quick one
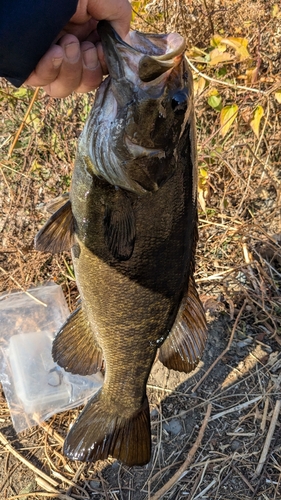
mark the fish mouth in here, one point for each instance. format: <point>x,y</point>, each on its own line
<point>146,58</point>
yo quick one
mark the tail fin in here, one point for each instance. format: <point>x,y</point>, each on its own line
<point>101,431</point>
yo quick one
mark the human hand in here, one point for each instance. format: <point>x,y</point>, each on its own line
<point>76,61</point>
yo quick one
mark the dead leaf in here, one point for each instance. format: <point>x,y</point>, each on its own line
<point>255,122</point>
<point>239,44</point>
<point>201,199</point>
<point>199,85</point>
<point>277,95</point>
<point>276,11</point>
<point>220,58</point>
<point>227,117</point>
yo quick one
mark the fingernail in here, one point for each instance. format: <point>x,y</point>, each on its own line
<point>57,62</point>
<point>90,58</point>
<point>72,52</point>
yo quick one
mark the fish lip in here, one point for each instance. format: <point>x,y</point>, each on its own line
<point>150,66</point>
<point>110,41</point>
<point>108,34</point>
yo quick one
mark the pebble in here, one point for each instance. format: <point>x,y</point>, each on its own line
<point>235,445</point>
<point>154,413</point>
<point>173,427</point>
<point>244,343</point>
<point>95,484</point>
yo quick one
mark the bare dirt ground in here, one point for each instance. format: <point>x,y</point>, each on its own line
<point>236,454</point>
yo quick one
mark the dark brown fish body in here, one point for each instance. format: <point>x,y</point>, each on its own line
<point>133,203</point>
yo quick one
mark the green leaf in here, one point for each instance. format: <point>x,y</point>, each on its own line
<point>214,101</point>
<point>227,117</point>
<point>22,92</point>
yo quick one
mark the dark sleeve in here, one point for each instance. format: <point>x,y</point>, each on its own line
<point>27,29</point>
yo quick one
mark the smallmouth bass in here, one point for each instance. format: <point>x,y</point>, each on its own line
<point>131,224</point>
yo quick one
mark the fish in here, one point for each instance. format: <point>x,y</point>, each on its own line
<point>131,223</point>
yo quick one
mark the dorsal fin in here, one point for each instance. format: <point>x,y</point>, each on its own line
<point>57,234</point>
<point>75,348</point>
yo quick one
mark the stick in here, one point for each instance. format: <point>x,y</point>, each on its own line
<point>25,291</point>
<point>264,416</point>
<point>49,430</point>
<point>268,439</point>
<point>38,472</point>
<point>187,461</point>
<point>220,82</point>
<point>244,479</point>
<point>59,496</point>
<point>225,351</point>
<point>236,408</point>
<point>11,149</point>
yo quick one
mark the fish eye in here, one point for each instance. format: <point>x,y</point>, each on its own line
<point>179,102</point>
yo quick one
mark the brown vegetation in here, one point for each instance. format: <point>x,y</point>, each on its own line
<point>238,269</point>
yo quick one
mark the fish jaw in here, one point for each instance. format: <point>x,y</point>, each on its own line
<point>140,110</point>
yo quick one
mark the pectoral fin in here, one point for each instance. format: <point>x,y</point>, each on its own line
<point>57,234</point>
<point>75,348</point>
<point>119,226</point>
<point>184,346</point>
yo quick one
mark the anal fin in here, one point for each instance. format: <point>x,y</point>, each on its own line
<point>75,348</point>
<point>57,234</point>
<point>101,430</point>
<point>185,344</point>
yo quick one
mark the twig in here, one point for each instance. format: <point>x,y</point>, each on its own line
<point>59,496</point>
<point>217,276</point>
<point>11,149</point>
<point>25,291</point>
<point>244,478</point>
<point>202,493</point>
<point>236,408</point>
<point>49,430</point>
<point>209,17</point>
<point>268,437</point>
<point>36,471</point>
<point>226,349</point>
<point>187,461</point>
<point>220,82</point>
<point>264,416</point>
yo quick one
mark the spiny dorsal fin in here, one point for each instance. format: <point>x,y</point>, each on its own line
<point>119,226</point>
<point>57,234</point>
<point>101,430</point>
<point>185,344</point>
<point>75,348</point>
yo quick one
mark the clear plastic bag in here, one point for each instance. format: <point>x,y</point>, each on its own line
<point>35,386</point>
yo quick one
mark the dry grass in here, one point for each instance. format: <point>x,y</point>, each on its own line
<point>238,272</point>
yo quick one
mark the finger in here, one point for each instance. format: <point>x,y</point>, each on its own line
<point>48,68</point>
<point>101,58</point>
<point>92,71</point>
<point>81,31</point>
<point>71,69</point>
<point>81,15</point>
<point>118,12</point>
